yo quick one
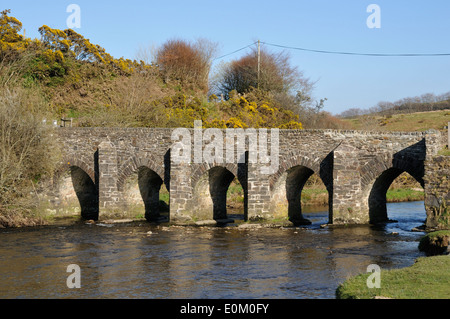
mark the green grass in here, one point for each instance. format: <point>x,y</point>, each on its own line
<point>315,196</point>
<point>444,152</point>
<point>404,195</point>
<point>235,193</point>
<point>438,233</point>
<point>428,278</point>
<point>164,197</point>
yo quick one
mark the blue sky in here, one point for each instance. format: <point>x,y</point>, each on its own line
<point>407,26</point>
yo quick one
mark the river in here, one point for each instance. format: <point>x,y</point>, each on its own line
<point>141,260</point>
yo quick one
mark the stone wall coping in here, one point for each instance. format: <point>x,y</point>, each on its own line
<point>323,131</point>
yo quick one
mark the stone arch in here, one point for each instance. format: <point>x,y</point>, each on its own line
<point>68,162</point>
<point>378,175</point>
<point>133,164</point>
<point>293,159</point>
<point>201,169</point>
<point>210,183</point>
<point>150,178</point>
<point>287,184</point>
<point>84,183</point>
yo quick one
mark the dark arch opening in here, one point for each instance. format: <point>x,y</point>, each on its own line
<point>149,184</point>
<point>295,181</point>
<point>87,193</point>
<point>377,198</point>
<point>219,181</point>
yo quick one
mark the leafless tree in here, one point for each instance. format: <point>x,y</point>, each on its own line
<point>186,63</point>
<point>276,74</point>
<point>27,150</point>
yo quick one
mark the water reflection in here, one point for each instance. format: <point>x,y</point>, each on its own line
<point>144,261</point>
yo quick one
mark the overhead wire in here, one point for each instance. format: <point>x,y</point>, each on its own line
<point>360,54</point>
<point>223,56</point>
<point>340,52</point>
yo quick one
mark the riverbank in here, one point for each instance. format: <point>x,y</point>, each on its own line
<point>428,278</point>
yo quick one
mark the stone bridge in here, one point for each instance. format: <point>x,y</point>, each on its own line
<point>356,167</point>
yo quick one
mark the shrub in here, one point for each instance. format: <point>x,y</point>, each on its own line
<point>27,153</point>
<point>186,63</point>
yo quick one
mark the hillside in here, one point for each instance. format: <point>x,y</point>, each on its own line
<point>419,121</point>
<point>68,76</point>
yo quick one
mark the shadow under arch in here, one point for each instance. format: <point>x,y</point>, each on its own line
<point>149,177</point>
<point>150,183</point>
<point>219,180</point>
<point>287,185</point>
<point>210,192</point>
<point>377,198</point>
<point>87,193</point>
<point>290,187</point>
<point>295,181</point>
<point>380,173</point>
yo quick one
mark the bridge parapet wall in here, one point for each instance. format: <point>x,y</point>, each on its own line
<point>348,162</point>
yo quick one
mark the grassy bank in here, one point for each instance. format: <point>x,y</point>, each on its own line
<point>428,278</point>
<point>419,121</point>
<point>404,195</point>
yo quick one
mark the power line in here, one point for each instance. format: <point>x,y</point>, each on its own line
<point>223,56</point>
<point>360,54</point>
<point>340,52</point>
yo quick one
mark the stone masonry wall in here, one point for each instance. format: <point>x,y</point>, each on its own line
<point>348,162</point>
<point>437,184</point>
<point>437,191</point>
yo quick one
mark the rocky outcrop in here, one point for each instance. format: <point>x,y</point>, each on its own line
<point>435,243</point>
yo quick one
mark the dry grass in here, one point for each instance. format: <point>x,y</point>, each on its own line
<point>419,121</point>
<point>27,154</point>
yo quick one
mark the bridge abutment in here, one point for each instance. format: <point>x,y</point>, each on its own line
<point>437,184</point>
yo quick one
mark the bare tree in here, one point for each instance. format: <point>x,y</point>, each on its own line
<point>352,112</point>
<point>147,54</point>
<point>27,150</point>
<point>385,107</point>
<point>186,63</point>
<point>276,74</point>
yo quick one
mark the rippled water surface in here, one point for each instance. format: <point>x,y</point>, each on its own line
<point>126,261</point>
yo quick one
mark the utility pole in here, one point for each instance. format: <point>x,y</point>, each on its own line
<point>259,61</point>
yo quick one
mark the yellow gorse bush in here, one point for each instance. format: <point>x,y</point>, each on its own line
<point>65,56</point>
<point>10,39</point>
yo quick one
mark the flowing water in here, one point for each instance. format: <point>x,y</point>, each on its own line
<point>141,260</point>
